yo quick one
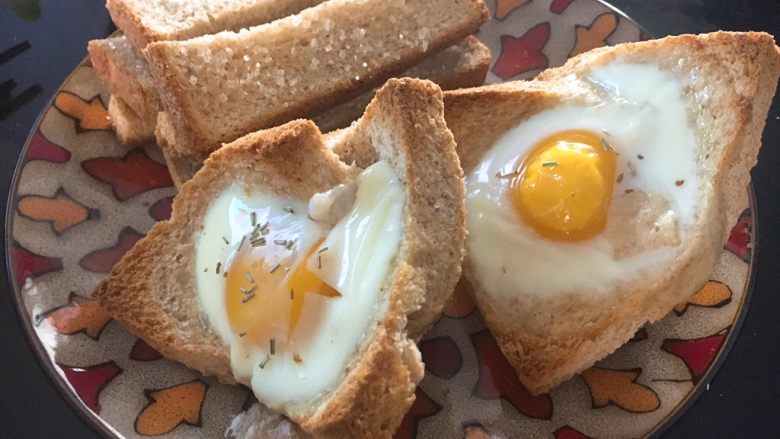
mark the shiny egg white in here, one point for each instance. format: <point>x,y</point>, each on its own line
<point>640,112</point>
<point>355,257</point>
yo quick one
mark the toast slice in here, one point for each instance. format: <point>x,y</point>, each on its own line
<point>729,79</point>
<point>130,129</point>
<point>146,21</point>
<point>461,65</point>
<point>126,74</point>
<point>181,167</point>
<point>297,65</point>
<point>151,290</point>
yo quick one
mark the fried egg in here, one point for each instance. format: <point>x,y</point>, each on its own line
<point>585,196</point>
<point>294,286</point>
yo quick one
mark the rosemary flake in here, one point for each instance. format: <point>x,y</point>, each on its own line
<point>249,277</point>
<point>289,209</point>
<point>273,346</point>
<point>620,178</point>
<point>292,294</point>
<point>628,191</point>
<point>549,164</point>
<point>242,334</point>
<point>267,359</point>
<point>258,242</point>
<point>290,244</point>
<point>219,266</point>
<point>319,261</point>
<point>640,156</point>
<point>322,250</point>
<point>282,242</point>
<point>241,244</point>
<point>632,169</point>
<point>606,145</point>
<point>247,297</point>
<point>253,218</point>
<point>508,175</point>
<point>275,267</point>
<point>226,240</point>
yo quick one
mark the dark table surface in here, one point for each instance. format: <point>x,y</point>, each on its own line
<point>742,397</point>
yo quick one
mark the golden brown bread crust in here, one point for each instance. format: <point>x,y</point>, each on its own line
<point>464,64</point>
<point>152,292</point>
<point>430,191</point>
<point>201,132</point>
<point>130,24</point>
<point>547,340</point>
<point>130,129</point>
<point>123,82</point>
<point>181,167</point>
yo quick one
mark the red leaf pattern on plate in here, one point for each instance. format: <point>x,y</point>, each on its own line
<point>141,351</point>
<point>697,354</point>
<point>522,54</point>
<point>161,209</point>
<point>441,356</point>
<point>130,175</point>
<point>41,148</point>
<point>740,238</point>
<point>89,381</point>
<point>28,264</point>
<point>422,407</point>
<point>497,379</point>
<point>103,260</point>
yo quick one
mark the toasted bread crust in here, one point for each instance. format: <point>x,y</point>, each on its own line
<point>548,340</point>
<point>357,147</point>
<point>150,292</point>
<point>124,80</point>
<point>130,23</point>
<point>377,393</point>
<point>464,64</point>
<point>129,127</point>
<point>201,132</point>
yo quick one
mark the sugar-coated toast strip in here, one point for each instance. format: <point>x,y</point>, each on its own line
<point>126,75</point>
<point>464,64</point>
<point>297,65</point>
<point>145,21</point>
<point>130,128</point>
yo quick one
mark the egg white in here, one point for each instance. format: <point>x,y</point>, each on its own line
<point>641,112</point>
<point>360,254</point>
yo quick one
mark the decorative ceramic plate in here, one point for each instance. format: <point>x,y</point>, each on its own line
<point>80,200</point>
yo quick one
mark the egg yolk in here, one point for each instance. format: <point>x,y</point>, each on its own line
<point>265,292</point>
<point>564,187</point>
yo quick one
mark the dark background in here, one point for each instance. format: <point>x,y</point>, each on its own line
<point>742,400</point>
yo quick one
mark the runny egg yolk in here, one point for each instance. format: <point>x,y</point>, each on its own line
<point>563,188</point>
<point>265,292</point>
